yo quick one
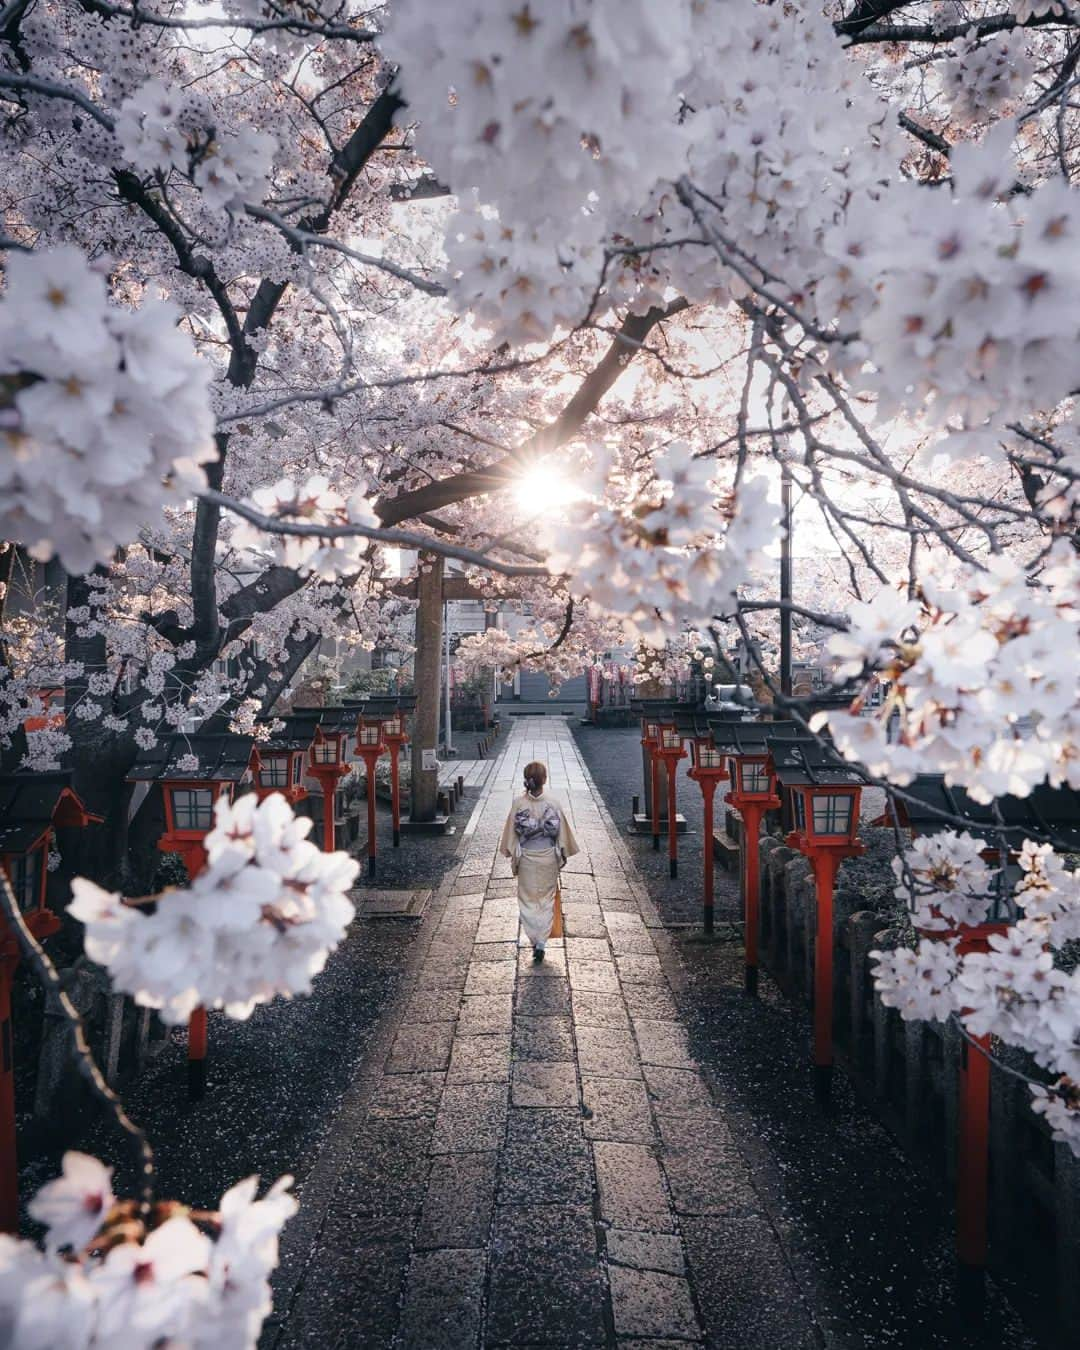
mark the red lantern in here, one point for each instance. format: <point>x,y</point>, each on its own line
<point>709,768</point>
<point>193,771</point>
<point>370,744</point>
<point>669,750</point>
<point>753,793</point>
<point>826,798</point>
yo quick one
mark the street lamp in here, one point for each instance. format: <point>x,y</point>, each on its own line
<point>370,744</point>
<point>281,761</point>
<point>708,769</point>
<point>669,749</point>
<point>193,771</point>
<point>826,795</point>
<point>326,759</point>
<point>753,793</point>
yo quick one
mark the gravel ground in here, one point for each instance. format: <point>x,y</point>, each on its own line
<point>867,1230</point>
<point>276,1080</point>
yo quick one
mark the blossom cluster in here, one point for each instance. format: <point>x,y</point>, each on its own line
<point>311,503</point>
<point>111,1275</point>
<point>987,695</point>
<point>259,920</point>
<point>669,553</point>
<point>158,129</point>
<point>104,412</point>
<point>581,97</point>
<point>986,74</point>
<point>966,298</point>
<point>1008,985</point>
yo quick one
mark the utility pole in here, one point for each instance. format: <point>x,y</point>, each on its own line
<point>446,639</point>
<point>785,579</point>
<point>429,624</point>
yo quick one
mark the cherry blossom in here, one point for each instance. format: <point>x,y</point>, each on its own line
<point>74,1206</point>
<point>143,1280</point>
<point>258,921</point>
<point>101,404</point>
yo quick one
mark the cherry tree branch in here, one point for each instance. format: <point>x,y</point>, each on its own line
<point>393,537</point>
<point>42,966</point>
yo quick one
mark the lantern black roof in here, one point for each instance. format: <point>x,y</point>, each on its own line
<point>223,758</point>
<point>807,763</point>
<point>751,738</point>
<point>667,708</point>
<point>31,802</point>
<point>382,705</point>
<point>1047,812</point>
<point>296,733</point>
<point>333,718</point>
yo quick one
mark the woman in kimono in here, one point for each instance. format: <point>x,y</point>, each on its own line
<point>537,839</point>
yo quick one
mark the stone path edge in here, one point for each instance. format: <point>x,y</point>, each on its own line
<point>300,1240</point>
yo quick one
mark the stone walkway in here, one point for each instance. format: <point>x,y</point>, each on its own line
<point>526,1157</point>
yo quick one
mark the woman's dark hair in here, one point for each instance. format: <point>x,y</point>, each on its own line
<point>535,777</point>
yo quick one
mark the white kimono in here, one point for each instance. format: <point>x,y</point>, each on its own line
<point>536,836</point>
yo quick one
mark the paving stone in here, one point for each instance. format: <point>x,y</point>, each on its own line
<point>471,1119</point>
<point>466,885</point>
<point>501,929</point>
<point>580,862</point>
<point>649,1303</point>
<point>480,1059</point>
<point>593,1009</point>
<point>432,1005</point>
<point>611,881</point>
<point>546,1284</point>
<point>459,1201</point>
<point>607,1052</point>
<point>742,1279</point>
<point>622,904</point>
<point>650,1000</point>
<point>444,1299</point>
<point>490,977</point>
<point>663,1043</point>
<point>455,924</point>
<point>582,922</point>
<point>578,886</point>
<point>421,1048</point>
<point>588,949</point>
<point>485,1014</point>
<point>386,1174</point>
<point>678,1092</point>
<point>597,977</point>
<point>705,1171</point>
<point>442,975</point>
<point>546,1161</point>
<point>407,1094</point>
<point>544,1084</point>
<point>640,970</point>
<point>620,1110</point>
<point>626,923</point>
<point>552,967</point>
<point>475,864</point>
<point>457,904</point>
<point>543,1038</point>
<point>496,951</point>
<point>502,887</point>
<point>632,942</point>
<point>646,1251</point>
<point>632,1191</point>
<point>542,998</point>
<point>356,1282</point>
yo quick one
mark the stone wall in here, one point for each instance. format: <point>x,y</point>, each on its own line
<point>909,1072</point>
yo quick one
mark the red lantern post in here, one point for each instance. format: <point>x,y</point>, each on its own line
<point>826,820</point>
<point>753,794</point>
<point>326,763</point>
<point>396,738</point>
<point>370,744</point>
<point>669,750</point>
<point>221,762</point>
<point>707,771</point>
<point>30,806</point>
